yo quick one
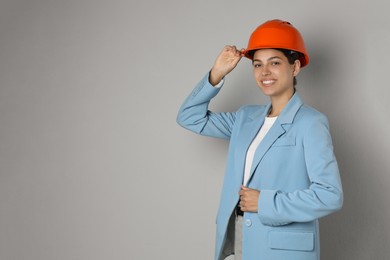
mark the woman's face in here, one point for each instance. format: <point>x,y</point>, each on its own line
<point>273,73</point>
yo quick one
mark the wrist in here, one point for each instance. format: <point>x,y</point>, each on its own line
<point>214,77</point>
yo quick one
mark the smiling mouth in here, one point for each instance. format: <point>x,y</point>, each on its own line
<point>267,82</point>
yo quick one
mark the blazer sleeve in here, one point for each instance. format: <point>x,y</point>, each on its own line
<point>195,116</point>
<point>324,195</point>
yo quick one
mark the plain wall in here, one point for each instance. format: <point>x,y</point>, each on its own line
<point>92,162</point>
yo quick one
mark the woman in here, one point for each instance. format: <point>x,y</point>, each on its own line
<point>281,175</point>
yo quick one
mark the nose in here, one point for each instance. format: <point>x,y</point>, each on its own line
<point>265,71</point>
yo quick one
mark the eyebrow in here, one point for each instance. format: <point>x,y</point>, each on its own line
<point>271,58</point>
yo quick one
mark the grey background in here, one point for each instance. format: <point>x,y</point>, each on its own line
<point>92,163</point>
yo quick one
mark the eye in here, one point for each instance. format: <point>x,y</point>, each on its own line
<point>275,63</point>
<point>256,65</point>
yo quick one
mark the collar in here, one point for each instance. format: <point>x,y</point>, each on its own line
<point>288,113</point>
<point>290,110</point>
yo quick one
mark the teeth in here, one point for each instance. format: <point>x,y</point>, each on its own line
<point>268,81</point>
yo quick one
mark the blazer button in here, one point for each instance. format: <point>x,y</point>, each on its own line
<point>248,222</point>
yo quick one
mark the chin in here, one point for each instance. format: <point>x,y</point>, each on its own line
<point>266,92</point>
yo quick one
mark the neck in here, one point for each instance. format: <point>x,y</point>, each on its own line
<point>278,103</point>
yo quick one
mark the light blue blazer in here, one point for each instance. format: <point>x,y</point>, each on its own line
<point>294,168</point>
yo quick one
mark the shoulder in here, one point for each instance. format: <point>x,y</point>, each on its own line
<point>312,124</point>
<point>309,121</point>
<point>310,114</point>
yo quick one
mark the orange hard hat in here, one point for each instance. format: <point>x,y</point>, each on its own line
<point>277,34</point>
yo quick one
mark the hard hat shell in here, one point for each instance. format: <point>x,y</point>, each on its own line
<point>277,34</point>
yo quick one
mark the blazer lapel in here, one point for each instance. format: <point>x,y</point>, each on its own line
<point>249,131</point>
<point>274,133</point>
<point>277,130</point>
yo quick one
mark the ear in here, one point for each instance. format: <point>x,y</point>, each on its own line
<point>297,67</point>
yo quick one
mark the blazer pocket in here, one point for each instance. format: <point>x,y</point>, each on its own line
<point>284,141</point>
<point>288,240</point>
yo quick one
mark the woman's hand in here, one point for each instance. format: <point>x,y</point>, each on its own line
<point>225,63</point>
<point>249,199</point>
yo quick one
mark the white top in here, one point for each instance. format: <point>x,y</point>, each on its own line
<point>268,122</point>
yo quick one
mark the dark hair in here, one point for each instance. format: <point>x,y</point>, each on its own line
<point>291,56</point>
